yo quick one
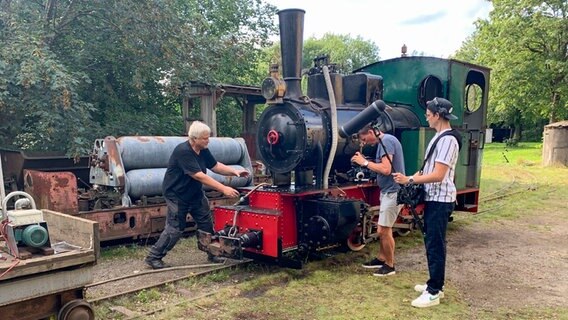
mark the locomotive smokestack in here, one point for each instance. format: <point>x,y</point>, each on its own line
<point>291,45</point>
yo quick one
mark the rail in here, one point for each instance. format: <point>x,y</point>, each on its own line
<point>134,315</point>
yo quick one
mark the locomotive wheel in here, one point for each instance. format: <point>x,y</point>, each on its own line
<point>76,310</point>
<point>402,232</point>
<point>354,241</point>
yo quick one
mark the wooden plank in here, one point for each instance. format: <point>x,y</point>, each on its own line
<point>208,105</point>
<point>45,263</point>
<point>78,232</point>
<point>44,284</point>
<point>73,230</point>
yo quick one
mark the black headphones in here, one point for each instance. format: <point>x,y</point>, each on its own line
<point>442,110</point>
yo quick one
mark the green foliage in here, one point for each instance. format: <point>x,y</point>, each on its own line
<point>73,71</point>
<point>511,142</point>
<point>525,43</point>
<point>40,106</point>
<point>219,276</point>
<point>146,296</point>
<point>349,53</point>
<point>229,114</point>
<point>123,253</point>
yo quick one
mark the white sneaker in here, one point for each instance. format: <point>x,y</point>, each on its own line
<point>422,288</point>
<point>426,300</point>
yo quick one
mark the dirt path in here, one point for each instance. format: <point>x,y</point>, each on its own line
<point>514,264</point>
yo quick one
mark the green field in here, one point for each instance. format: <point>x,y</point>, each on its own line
<point>526,153</point>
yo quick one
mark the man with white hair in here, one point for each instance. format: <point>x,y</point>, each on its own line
<point>183,191</point>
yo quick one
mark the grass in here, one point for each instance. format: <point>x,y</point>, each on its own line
<point>135,251</point>
<point>337,288</point>
<point>525,153</point>
<point>519,171</point>
<point>123,252</point>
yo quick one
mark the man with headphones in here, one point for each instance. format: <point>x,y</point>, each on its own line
<point>438,180</point>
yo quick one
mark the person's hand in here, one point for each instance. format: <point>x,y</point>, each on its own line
<point>358,158</point>
<point>230,192</point>
<point>242,173</point>
<point>399,178</point>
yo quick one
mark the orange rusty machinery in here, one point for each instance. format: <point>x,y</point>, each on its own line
<point>119,185</point>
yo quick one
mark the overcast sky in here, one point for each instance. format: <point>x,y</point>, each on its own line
<point>435,27</point>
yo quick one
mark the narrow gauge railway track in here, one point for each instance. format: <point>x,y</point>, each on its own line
<point>512,188</point>
<point>208,269</point>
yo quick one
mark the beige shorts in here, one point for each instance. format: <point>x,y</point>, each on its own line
<point>388,211</point>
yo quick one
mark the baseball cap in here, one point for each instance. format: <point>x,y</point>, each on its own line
<point>443,107</point>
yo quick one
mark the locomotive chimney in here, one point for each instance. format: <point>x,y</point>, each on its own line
<point>291,45</point>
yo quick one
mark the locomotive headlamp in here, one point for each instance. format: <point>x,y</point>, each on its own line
<point>273,90</point>
<point>268,89</point>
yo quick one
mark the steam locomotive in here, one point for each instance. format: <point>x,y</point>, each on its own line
<point>317,199</point>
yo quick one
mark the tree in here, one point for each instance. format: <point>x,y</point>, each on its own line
<point>526,44</point>
<point>75,70</point>
<point>40,106</point>
<point>346,52</point>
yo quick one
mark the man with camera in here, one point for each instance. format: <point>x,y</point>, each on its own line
<point>438,180</point>
<point>389,156</point>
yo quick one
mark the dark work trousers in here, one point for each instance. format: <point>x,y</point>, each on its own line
<point>175,223</point>
<point>436,216</point>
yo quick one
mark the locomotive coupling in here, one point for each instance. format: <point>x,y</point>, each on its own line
<point>227,245</point>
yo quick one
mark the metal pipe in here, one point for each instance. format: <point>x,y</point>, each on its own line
<point>291,44</point>
<point>13,194</point>
<point>21,203</point>
<point>333,127</point>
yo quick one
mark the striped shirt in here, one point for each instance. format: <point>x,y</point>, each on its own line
<point>446,152</point>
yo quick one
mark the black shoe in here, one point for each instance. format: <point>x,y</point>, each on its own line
<point>373,264</point>
<point>384,271</point>
<point>215,259</point>
<point>156,263</point>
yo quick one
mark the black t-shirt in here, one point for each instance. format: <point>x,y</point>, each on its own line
<point>178,183</point>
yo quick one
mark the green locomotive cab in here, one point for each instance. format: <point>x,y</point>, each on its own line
<point>412,81</point>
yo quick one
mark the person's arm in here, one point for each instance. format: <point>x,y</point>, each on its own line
<point>383,167</point>
<point>223,169</point>
<point>441,164</point>
<point>210,182</point>
<point>440,170</point>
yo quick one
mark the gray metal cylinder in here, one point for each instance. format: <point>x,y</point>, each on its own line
<point>154,152</point>
<point>148,182</point>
